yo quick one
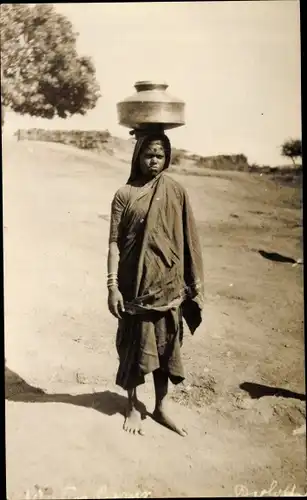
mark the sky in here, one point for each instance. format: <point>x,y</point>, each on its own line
<point>236,64</point>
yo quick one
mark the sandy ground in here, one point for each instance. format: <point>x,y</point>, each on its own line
<point>64,436</point>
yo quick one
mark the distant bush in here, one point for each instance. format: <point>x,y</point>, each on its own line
<point>287,175</point>
<point>177,156</point>
<point>223,162</point>
<point>254,167</point>
<point>83,139</point>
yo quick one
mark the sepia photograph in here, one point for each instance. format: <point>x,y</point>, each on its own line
<point>153,268</point>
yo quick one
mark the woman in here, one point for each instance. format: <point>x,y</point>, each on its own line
<point>155,276</point>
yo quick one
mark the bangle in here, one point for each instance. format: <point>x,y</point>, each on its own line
<point>112,284</point>
<point>112,281</point>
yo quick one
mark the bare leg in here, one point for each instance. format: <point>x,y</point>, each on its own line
<point>161,388</point>
<point>133,416</point>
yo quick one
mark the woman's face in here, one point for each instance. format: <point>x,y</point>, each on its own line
<point>152,159</point>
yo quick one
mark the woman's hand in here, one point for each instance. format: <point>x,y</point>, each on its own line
<point>116,302</point>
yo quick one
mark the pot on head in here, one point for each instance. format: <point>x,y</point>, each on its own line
<point>151,106</point>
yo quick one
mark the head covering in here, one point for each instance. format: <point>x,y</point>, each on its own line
<point>143,139</point>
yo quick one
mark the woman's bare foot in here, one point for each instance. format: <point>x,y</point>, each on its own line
<point>133,421</point>
<point>134,413</point>
<point>161,417</point>
<point>159,414</point>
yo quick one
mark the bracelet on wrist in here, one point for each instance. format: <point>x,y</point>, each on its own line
<point>112,284</point>
<point>112,281</point>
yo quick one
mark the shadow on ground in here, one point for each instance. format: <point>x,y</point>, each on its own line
<point>107,402</point>
<point>257,391</point>
<point>277,257</point>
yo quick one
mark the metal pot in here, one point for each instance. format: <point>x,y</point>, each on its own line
<point>151,104</point>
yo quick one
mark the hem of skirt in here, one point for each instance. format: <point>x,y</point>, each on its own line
<point>130,386</point>
<point>140,379</point>
<point>176,379</point>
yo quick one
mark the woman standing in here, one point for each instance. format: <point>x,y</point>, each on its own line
<point>155,276</point>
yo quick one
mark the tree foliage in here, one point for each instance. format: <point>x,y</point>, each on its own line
<point>42,72</point>
<point>292,149</point>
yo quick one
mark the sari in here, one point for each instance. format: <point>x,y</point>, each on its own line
<point>160,272</point>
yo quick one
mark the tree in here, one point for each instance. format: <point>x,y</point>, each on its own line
<point>292,149</point>
<point>42,73</point>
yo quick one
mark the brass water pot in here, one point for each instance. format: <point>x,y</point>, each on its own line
<point>151,104</point>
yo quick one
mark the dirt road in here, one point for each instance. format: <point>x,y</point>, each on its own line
<point>66,439</point>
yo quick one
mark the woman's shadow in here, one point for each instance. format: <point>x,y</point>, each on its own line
<point>257,391</point>
<point>107,402</point>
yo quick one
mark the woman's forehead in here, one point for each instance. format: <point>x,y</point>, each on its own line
<point>155,145</point>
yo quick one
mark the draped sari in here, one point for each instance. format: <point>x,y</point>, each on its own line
<point>160,273</point>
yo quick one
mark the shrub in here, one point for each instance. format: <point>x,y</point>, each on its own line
<point>83,139</point>
<point>177,156</point>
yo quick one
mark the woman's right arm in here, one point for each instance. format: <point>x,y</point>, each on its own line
<point>115,299</point>
<point>113,258</point>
